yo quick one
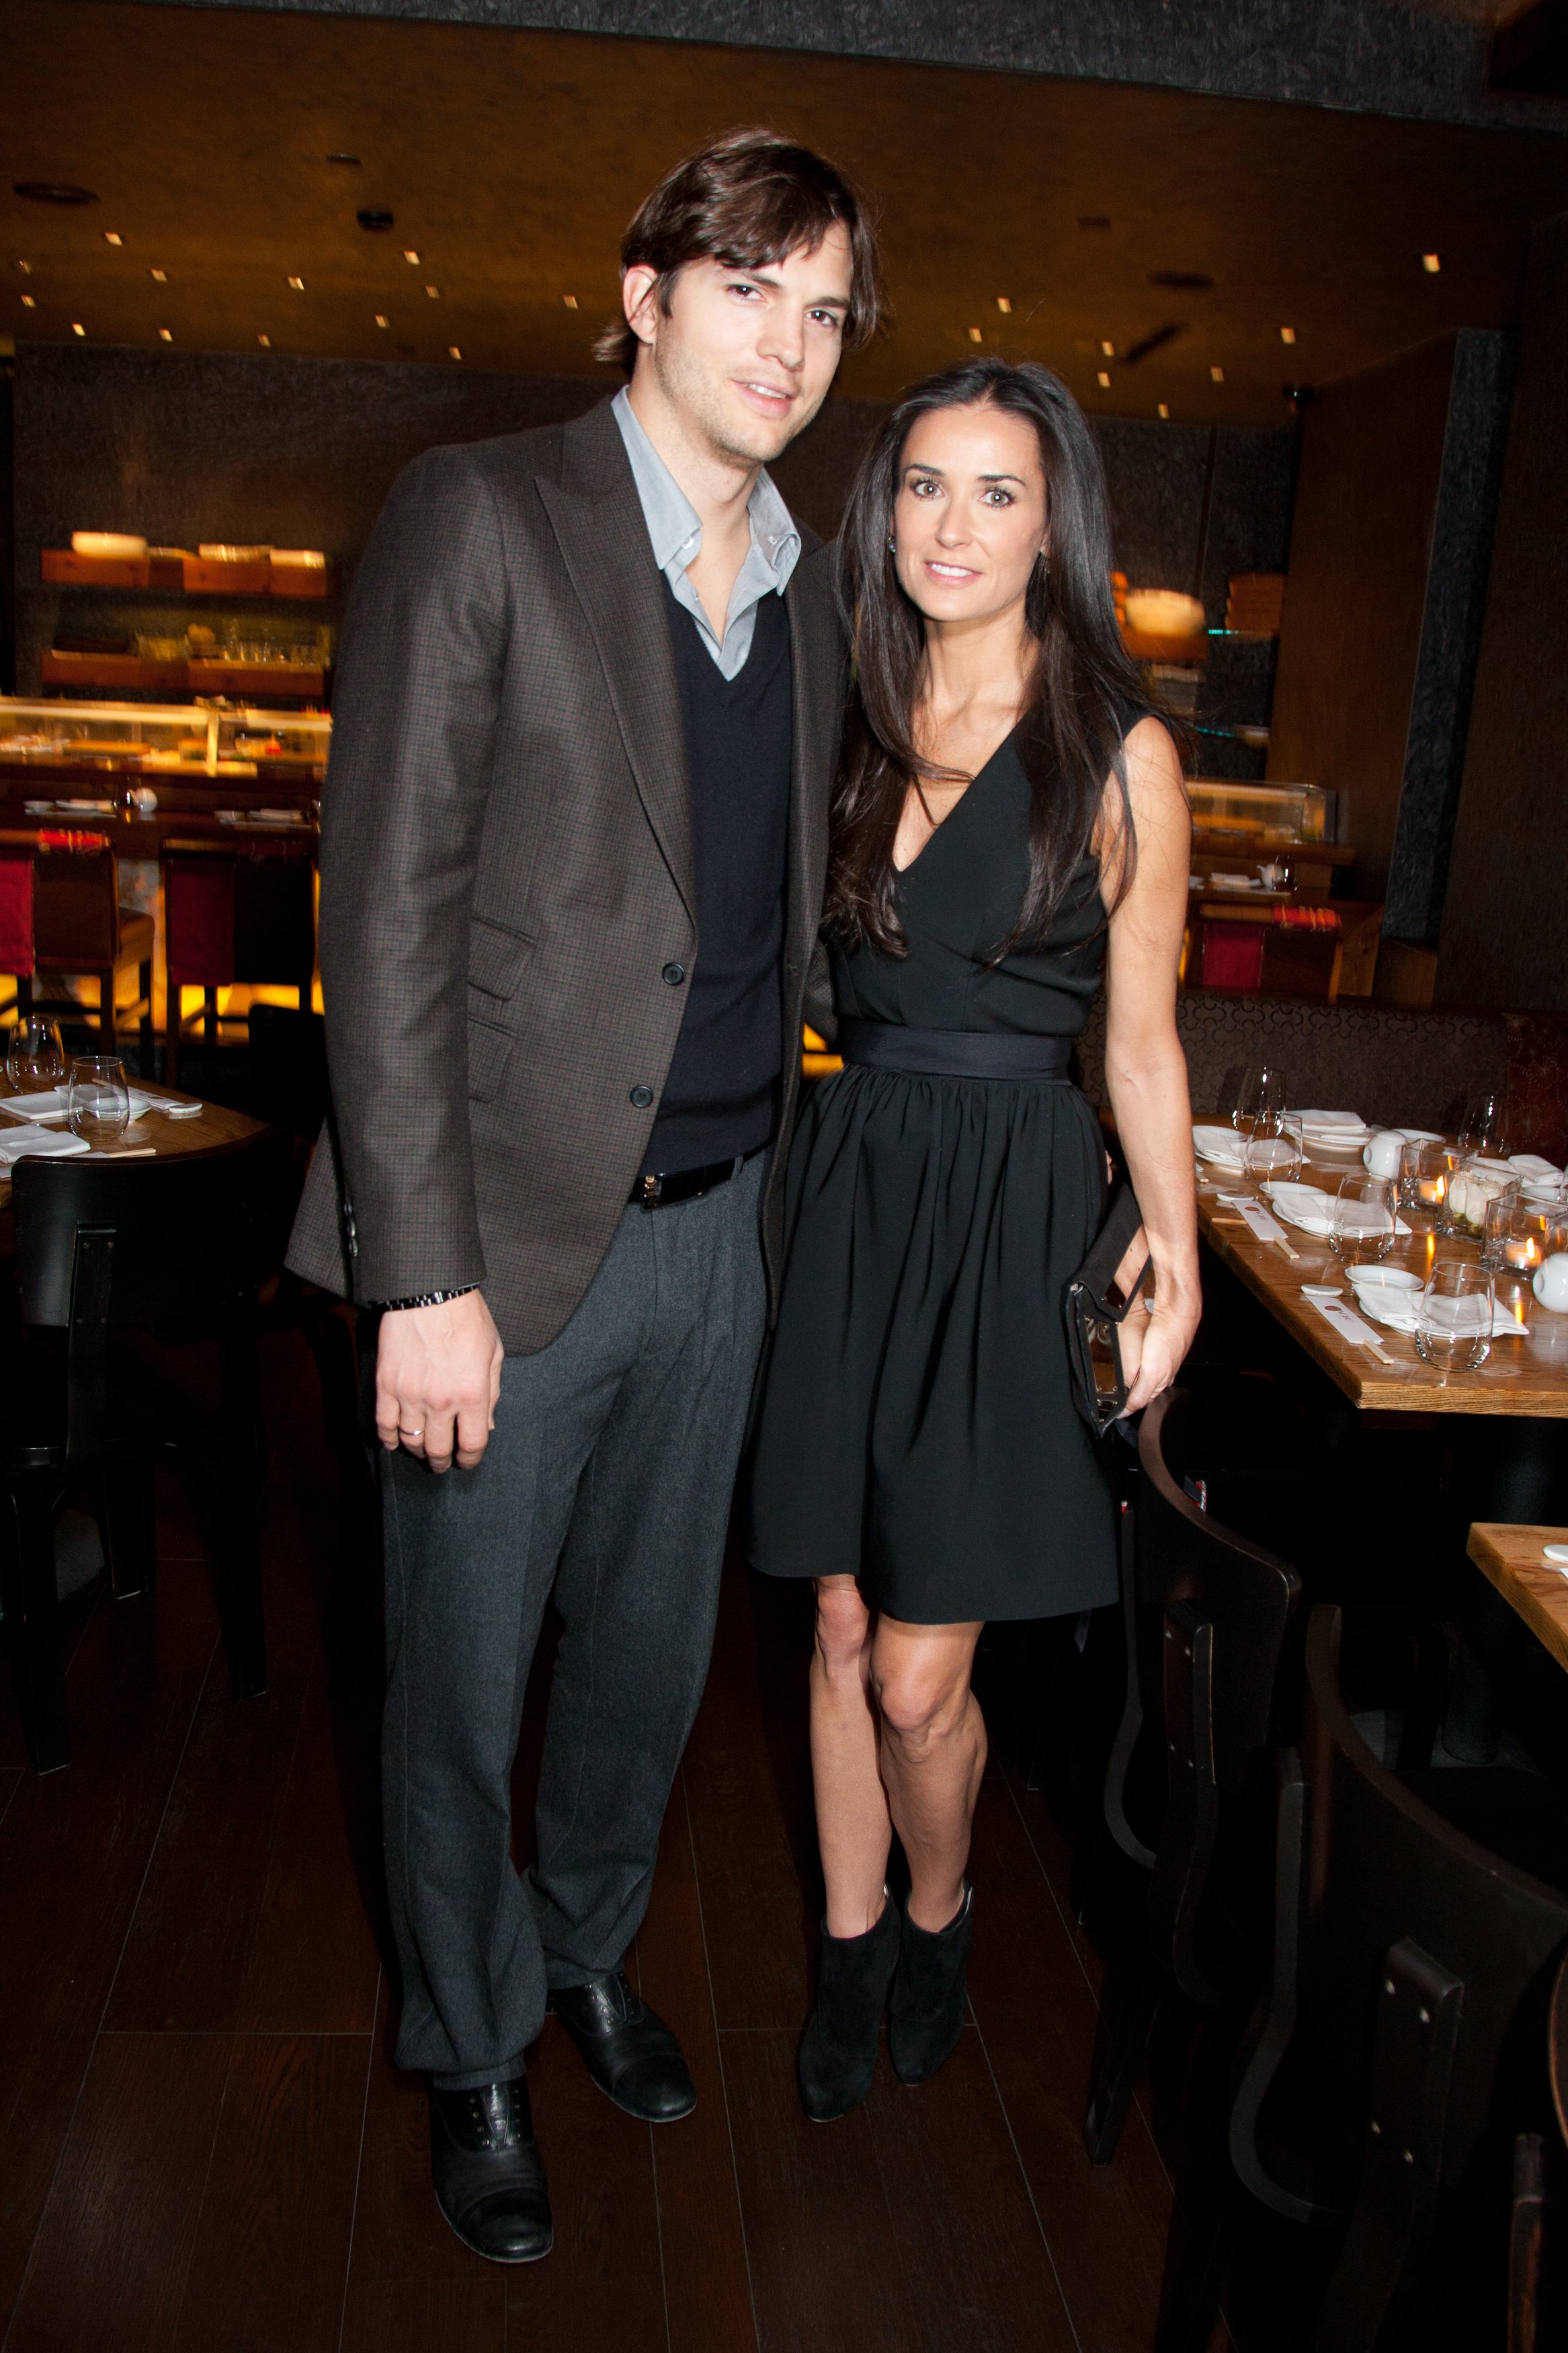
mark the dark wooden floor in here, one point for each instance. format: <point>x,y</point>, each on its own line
<point>202,2145</point>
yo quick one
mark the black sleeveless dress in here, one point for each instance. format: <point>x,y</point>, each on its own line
<point>915,1427</point>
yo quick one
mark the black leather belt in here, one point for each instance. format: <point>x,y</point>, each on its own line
<point>952,1054</point>
<point>684,1184</point>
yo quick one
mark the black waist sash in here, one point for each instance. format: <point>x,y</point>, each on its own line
<point>952,1054</point>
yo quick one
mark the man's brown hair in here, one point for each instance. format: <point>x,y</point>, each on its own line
<point>749,199</point>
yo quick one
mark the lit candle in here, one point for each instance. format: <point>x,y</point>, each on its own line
<point>1522,1252</point>
<point>1431,1190</point>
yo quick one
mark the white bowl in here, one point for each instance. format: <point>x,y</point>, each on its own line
<point>1385,1278</point>
<point>119,545</point>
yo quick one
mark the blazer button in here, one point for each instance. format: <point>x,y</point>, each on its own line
<point>642,1097</point>
<point>674,974</point>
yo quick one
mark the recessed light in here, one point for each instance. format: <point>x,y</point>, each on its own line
<point>113,237</point>
<point>340,156</point>
<point>453,353</point>
<point>1103,380</point>
<point>265,341</point>
<point>570,300</point>
<point>433,292</point>
<point>1164,410</point>
<point>1094,220</point>
<point>1109,349</point>
<point>1183,281</point>
<point>77,327</point>
<point>53,192</point>
<point>29,302</point>
<point>160,275</point>
<point>1431,263</point>
<point>298,284</point>
<point>1005,303</point>
<point>165,334</point>
<point>976,336</point>
<point>411,257</point>
<point>381,320</point>
<point>1217,375</point>
<point>1287,334</point>
<point>370,217</point>
<point>25,267</point>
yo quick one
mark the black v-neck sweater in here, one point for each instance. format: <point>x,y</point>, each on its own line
<point>721,1097</point>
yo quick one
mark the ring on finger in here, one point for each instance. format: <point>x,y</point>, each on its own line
<point>411,1433</point>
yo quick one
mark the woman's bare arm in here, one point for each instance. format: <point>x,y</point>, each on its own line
<point>1145,1070</point>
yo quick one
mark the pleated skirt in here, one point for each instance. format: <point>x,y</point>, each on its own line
<point>916,1428</point>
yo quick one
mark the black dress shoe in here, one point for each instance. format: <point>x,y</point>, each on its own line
<point>837,2056</point>
<point>925,2017</point>
<point>629,2051</point>
<point>489,2176</point>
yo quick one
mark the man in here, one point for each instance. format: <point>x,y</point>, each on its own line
<point>572,866</point>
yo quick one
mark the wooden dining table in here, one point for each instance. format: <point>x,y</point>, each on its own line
<point>1525,1374</point>
<point>154,1133</point>
<point>1512,1558</point>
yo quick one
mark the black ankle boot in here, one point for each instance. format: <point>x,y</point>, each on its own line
<point>837,2054</point>
<point>929,1997</point>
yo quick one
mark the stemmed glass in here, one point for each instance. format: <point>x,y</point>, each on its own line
<point>1454,1323</point>
<point>1259,1098</point>
<point>35,1058</point>
<point>99,1101</point>
<point>1362,1221</point>
<point>1484,1129</point>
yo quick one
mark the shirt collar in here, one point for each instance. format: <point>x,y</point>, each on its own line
<point>674,526</point>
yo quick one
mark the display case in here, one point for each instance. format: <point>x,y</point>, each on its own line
<point>195,740</point>
<point>1266,816</point>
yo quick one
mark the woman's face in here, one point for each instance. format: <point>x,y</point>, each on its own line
<point>968,517</point>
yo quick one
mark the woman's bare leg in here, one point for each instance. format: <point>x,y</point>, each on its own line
<point>852,1824</point>
<point>932,1753</point>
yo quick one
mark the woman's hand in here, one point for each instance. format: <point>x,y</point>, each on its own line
<point>1153,1343</point>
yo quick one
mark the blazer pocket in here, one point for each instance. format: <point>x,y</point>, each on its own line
<point>496,962</point>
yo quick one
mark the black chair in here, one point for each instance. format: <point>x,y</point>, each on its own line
<point>122,1268</point>
<point>1206,1614</point>
<point>1418,1963</point>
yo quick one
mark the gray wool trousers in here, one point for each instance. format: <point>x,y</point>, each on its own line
<point>607,1480</point>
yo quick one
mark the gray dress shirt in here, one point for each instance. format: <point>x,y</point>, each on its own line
<point>675,535</point>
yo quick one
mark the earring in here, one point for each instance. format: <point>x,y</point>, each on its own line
<point>892,544</point>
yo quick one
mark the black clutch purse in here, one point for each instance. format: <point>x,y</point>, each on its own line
<point>1095,1308</point>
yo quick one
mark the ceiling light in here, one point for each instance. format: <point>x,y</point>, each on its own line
<point>433,292</point>
<point>974,335</point>
<point>1164,410</point>
<point>453,353</point>
<point>298,284</point>
<point>29,302</point>
<point>160,275</point>
<point>77,327</point>
<point>1109,349</point>
<point>381,320</point>
<point>1103,380</point>
<point>1431,263</point>
<point>411,257</point>
<point>570,300</point>
<point>113,237</point>
<point>340,156</point>
<point>265,341</point>
<point>371,218</point>
<point>1217,374</point>
<point>1005,303</point>
<point>53,192</point>
<point>165,334</point>
<point>1287,334</point>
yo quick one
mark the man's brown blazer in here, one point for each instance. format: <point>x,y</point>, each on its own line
<point>506,893</point>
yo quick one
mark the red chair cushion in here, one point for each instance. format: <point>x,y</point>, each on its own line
<point>17,916</point>
<point>199,916</point>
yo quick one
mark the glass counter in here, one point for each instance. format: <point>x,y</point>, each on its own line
<point>195,739</point>
<point>1268,814</point>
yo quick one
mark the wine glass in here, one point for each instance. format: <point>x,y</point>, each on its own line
<point>35,1058</point>
<point>1484,1129</point>
<point>1259,1097</point>
<point>1361,1220</point>
<point>1454,1321</point>
<point>99,1101</point>
<point>1272,1154</point>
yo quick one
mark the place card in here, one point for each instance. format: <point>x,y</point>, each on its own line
<point>1348,1324</point>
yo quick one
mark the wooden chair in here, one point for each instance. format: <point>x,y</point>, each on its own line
<point>1419,1959</point>
<point>115,1261</point>
<point>246,914</point>
<point>1206,1614</point>
<point>60,918</point>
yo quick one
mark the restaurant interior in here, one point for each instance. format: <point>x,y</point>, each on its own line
<point>1267,2037</point>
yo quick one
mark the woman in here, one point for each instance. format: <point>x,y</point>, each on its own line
<point>1010,820</point>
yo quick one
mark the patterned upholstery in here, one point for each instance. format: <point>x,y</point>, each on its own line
<point>1413,1069</point>
<point>1538,1081</point>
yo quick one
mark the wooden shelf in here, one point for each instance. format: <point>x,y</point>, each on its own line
<point>274,681</point>
<point>187,575</point>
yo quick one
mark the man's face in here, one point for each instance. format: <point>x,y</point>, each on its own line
<point>746,356</point>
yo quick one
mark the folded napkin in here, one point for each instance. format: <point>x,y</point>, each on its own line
<point>1533,1168</point>
<point>1307,1209</point>
<point>1400,1312</point>
<point>19,1142</point>
<point>55,1103</point>
<point>1328,1118</point>
<point>1219,1144</point>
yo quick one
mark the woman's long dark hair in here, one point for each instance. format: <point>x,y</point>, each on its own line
<point>1078,704</point>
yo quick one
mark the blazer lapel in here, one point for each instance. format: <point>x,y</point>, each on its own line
<point>598,523</point>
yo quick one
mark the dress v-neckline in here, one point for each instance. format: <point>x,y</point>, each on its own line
<point>942,823</point>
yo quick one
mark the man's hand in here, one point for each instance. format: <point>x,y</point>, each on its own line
<point>437,1377</point>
